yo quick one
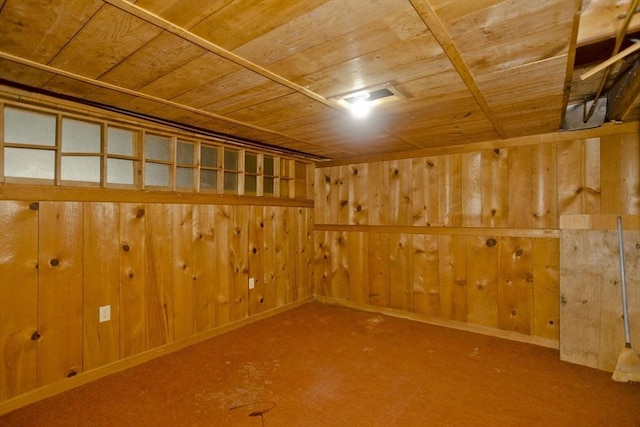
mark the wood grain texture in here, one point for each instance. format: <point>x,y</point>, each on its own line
<point>18,298</point>
<point>183,272</point>
<point>204,267</point>
<point>60,269</point>
<point>101,284</point>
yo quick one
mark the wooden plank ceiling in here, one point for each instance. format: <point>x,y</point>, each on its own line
<point>468,71</point>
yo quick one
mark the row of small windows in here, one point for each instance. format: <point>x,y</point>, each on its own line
<point>70,151</point>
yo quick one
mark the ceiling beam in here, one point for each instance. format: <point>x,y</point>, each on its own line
<point>439,31</point>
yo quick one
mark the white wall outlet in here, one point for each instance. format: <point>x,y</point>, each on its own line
<point>252,282</point>
<point>105,313</point>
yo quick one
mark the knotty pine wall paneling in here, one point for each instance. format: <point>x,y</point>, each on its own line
<point>18,298</point>
<point>101,261</point>
<point>168,272</point>
<point>133,307</point>
<point>471,236</point>
<point>60,290</point>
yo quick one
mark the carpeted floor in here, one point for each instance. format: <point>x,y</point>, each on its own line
<point>319,365</point>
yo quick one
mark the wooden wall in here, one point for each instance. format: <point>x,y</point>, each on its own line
<point>471,236</point>
<point>168,271</point>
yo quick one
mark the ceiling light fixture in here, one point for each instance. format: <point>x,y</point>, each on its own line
<point>360,103</point>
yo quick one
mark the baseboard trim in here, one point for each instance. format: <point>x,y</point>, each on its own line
<point>120,365</point>
<point>478,329</point>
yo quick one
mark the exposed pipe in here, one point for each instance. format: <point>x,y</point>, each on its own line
<point>616,48</point>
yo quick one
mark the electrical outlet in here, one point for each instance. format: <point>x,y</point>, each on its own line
<point>105,313</point>
<point>252,282</point>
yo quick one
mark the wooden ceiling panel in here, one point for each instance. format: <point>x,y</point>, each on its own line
<point>40,39</point>
<point>317,39</point>
<point>266,71</point>
<point>602,19</point>
<point>162,55</point>
<point>513,33</point>
<point>194,74</point>
<point>107,38</point>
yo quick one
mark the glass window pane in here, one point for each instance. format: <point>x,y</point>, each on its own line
<point>267,165</point>
<point>157,147</point>
<point>184,177</point>
<point>119,171</point>
<point>185,153</point>
<point>230,182</point>
<point>250,163</point>
<point>250,184</point>
<point>27,163</point>
<point>209,156</point>
<point>76,168</point>
<point>80,137</point>
<point>267,185</point>
<point>208,179</point>
<point>26,127</point>
<point>120,141</point>
<point>231,160</point>
<point>157,175</point>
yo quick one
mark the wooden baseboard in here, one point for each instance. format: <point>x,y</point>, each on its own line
<point>478,329</point>
<point>94,374</point>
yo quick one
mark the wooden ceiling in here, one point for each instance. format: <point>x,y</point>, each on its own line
<point>468,71</point>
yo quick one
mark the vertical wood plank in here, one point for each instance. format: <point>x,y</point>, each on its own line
<point>159,273</point>
<point>420,192</point>
<point>401,288</point>
<point>204,267</point>
<point>546,288</point>
<point>452,274</point>
<point>239,239</point>
<point>358,268</point>
<point>222,215</point>
<point>471,188</point>
<point>270,243</point>
<point>520,187</point>
<point>18,297</point>
<point>579,177</point>
<point>358,195</point>
<point>495,187</point>
<point>291,252</point>
<point>515,285</point>
<point>377,185</point>
<point>256,259</point>
<point>322,263</point>
<point>339,195</point>
<point>183,272</point>
<point>339,264</point>
<point>305,253</point>
<point>400,192</point>
<point>322,196</point>
<point>482,271</point>
<point>450,190</point>
<point>620,174</point>
<point>101,260</point>
<point>544,192</point>
<point>133,330</point>
<point>281,254</point>
<point>379,274</point>
<point>60,291</point>
<point>425,278</point>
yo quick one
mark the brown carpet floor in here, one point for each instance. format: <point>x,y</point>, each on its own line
<point>319,365</point>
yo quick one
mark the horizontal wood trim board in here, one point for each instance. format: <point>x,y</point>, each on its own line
<point>447,231</point>
<point>103,371</point>
<point>86,194</point>
<point>608,129</point>
<point>598,222</point>
<point>498,333</point>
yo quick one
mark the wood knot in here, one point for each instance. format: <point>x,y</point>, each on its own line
<point>261,300</point>
<point>35,336</point>
<point>514,313</point>
<point>519,252</point>
<point>254,250</point>
<point>131,275</point>
<point>140,213</point>
<point>358,208</point>
<point>496,151</point>
<point>184,266</point>
<point>355,171</point>
<point>327,179</point>
<point>491,242</point>
<point>54,262</point>
<point>72,373</point>
<point>34,206</point>
<point>343,203</point>
<point>126,248</point>
<point>430,164</point>
<point>396,171</point>
<point>493,212</point>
